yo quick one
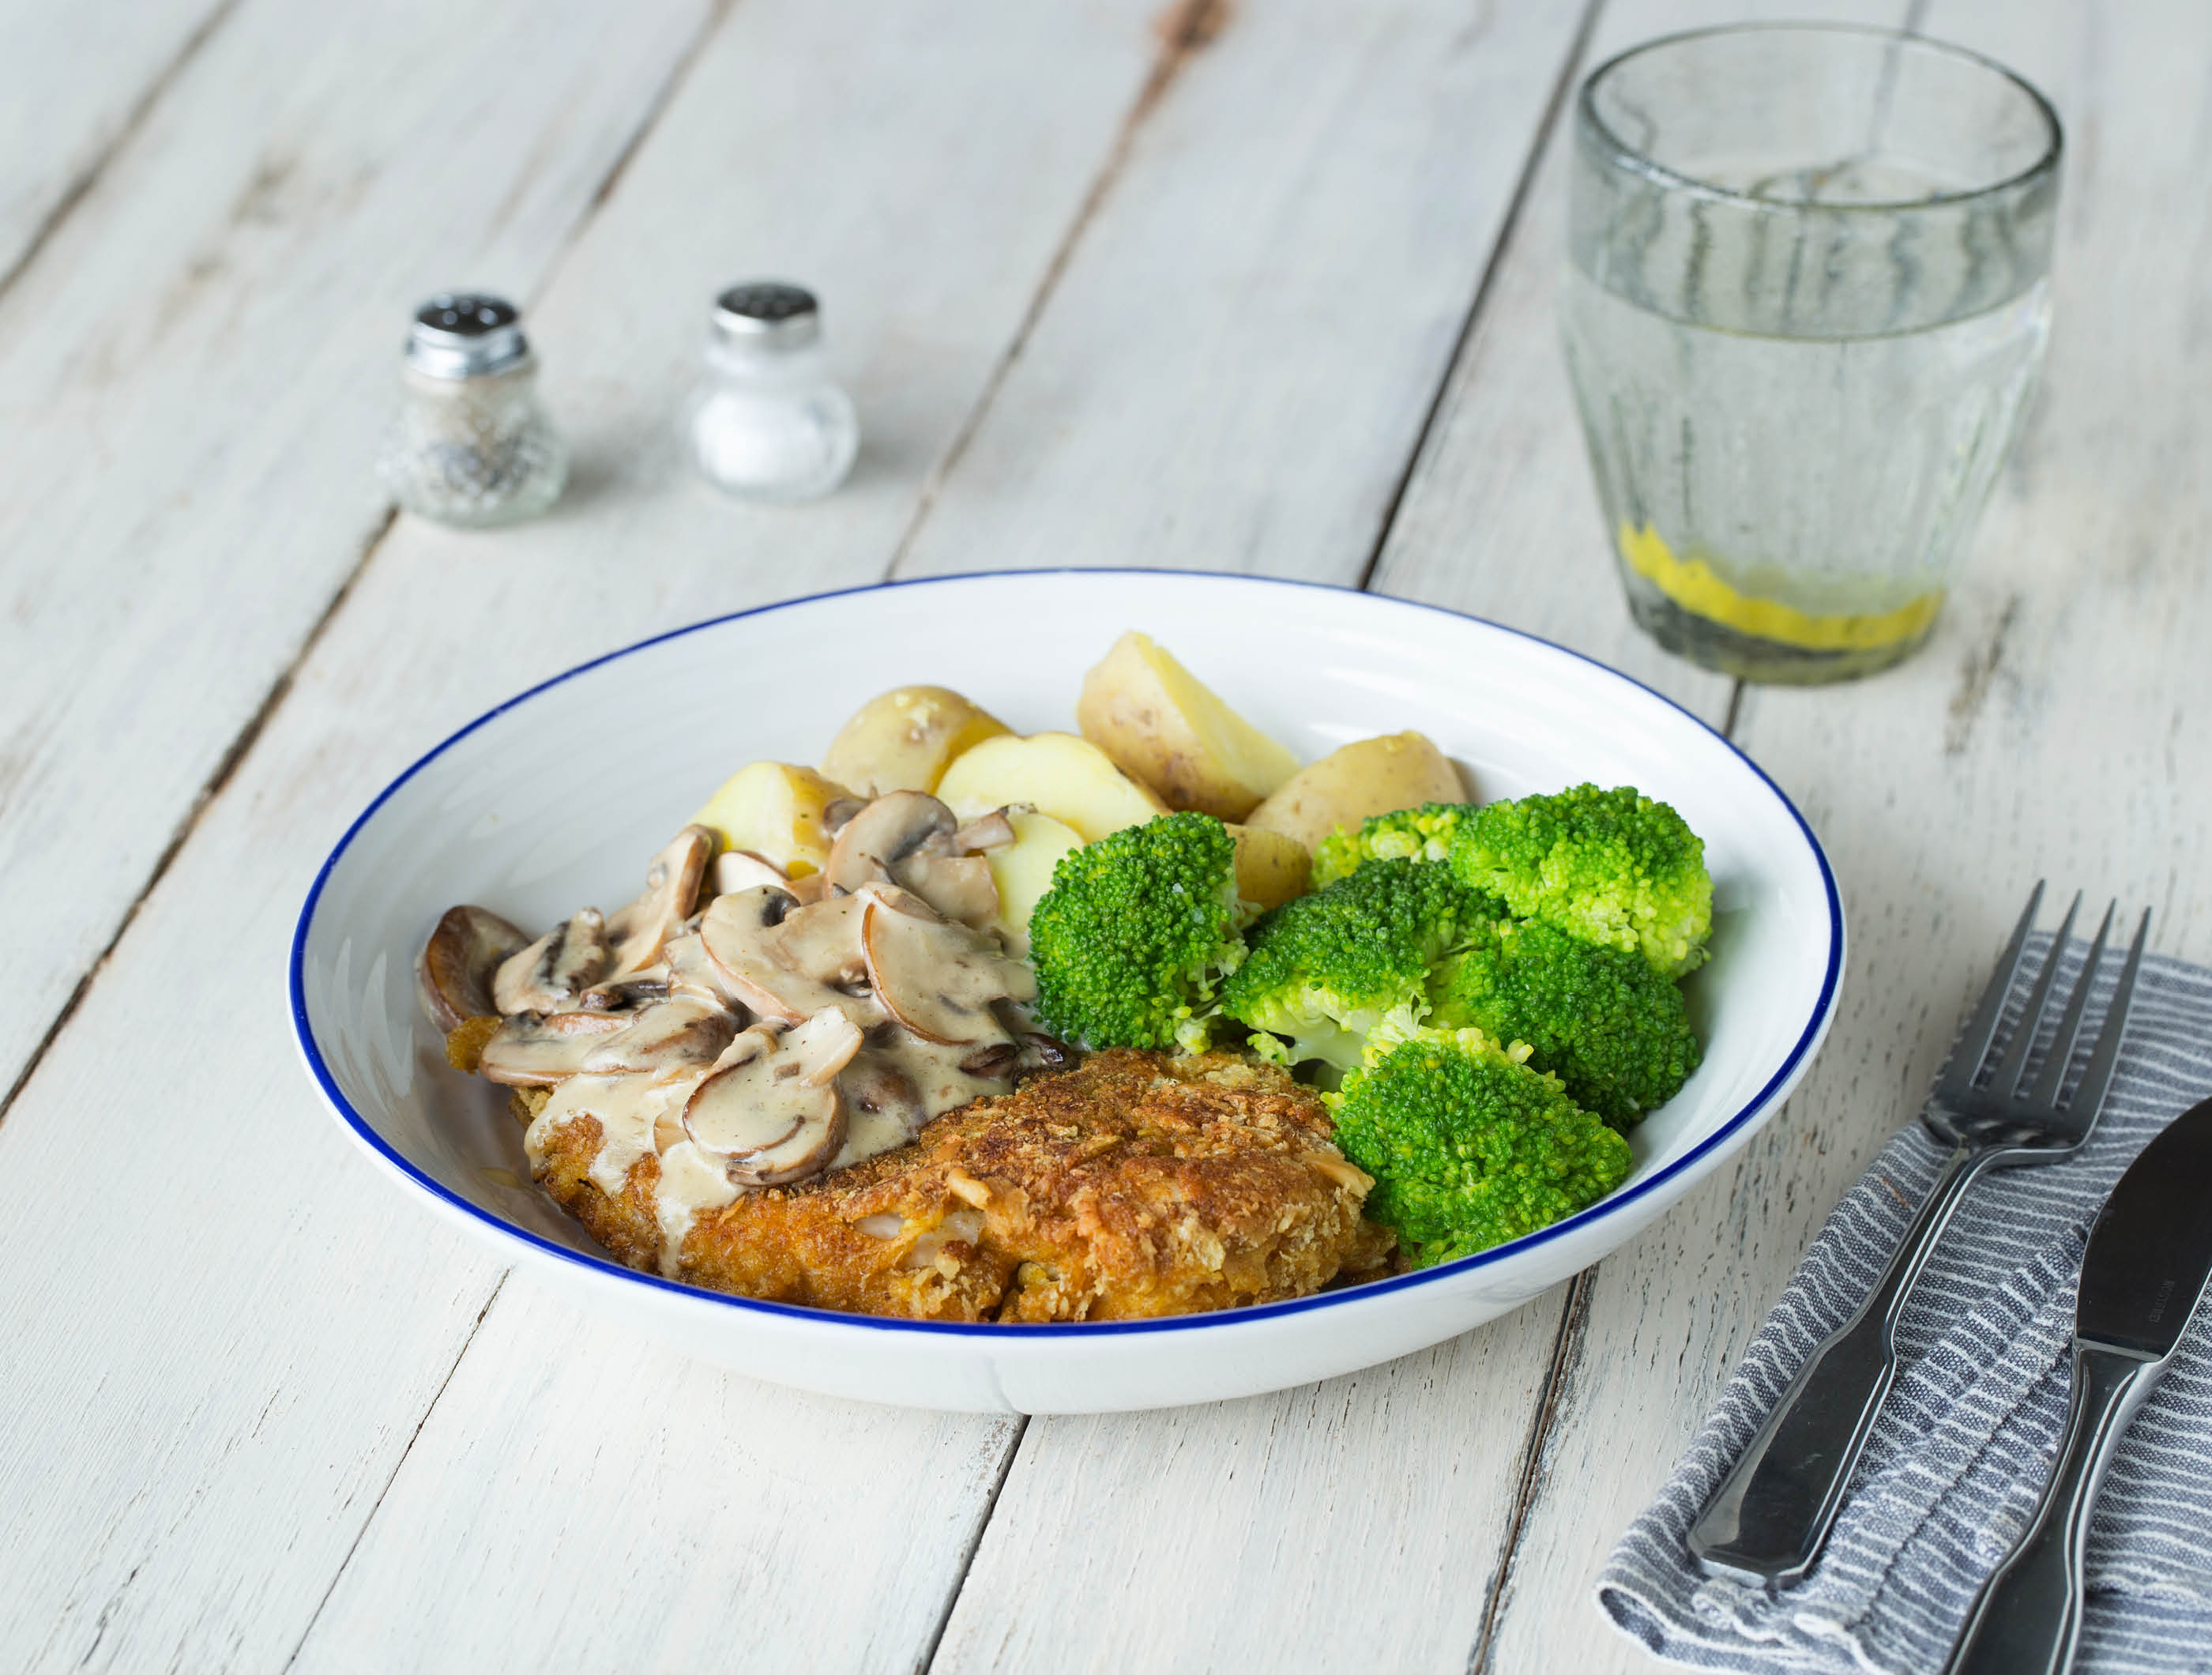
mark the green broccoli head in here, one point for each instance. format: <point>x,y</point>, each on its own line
<point>1409,834</point>
<point>1612,867</point>
<point>1467,1145</point>
<point>1611,1028</point>
<point>1324,969</point>
<point>1134,936</point>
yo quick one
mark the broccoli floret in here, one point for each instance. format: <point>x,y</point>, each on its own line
<point>1134,936</point>
<point>1324,969</point>
<point>1614,1031</point>
<point>1611,867</point>
<point>1410,834</point>
<point>1468,1147</point>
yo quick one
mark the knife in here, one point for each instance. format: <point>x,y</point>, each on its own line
<point>2144,1272</point>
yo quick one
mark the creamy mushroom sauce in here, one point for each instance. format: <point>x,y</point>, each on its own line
<point>640,1114</point>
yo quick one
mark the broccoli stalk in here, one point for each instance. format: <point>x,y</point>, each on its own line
<point>1467,1145</point>
<point>1407,834</point>
<point>1613,868</point>
<point>1613,1030</point>
<point>1133,940</point>
<point>1325,968</point>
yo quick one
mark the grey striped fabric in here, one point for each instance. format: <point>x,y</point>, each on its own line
<point>1965,1442</point>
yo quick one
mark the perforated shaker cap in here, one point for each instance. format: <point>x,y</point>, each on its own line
<point>767,314</point>
<point>466,334</point>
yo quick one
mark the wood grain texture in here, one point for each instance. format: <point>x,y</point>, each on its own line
<point>1235,365</point>
<point>1350,1524</point>
<point>197,365</point>
<point>624,1506</point>
<point>2047,729</point>
<point>73,81</point>
<point>186,1481</point>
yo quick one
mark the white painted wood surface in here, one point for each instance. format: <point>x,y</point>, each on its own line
<point>1109,288</point>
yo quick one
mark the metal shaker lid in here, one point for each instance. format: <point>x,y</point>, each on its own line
<point>767,314</point>
<point>465,334</point>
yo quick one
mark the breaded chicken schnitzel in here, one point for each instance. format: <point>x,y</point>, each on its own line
<point>1136,1185</point>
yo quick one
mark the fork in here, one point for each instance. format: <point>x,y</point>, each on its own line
<point>1766,1520</point>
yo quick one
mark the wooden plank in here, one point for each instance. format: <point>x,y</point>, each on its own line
<point>1293,1531</point>
<point>208,1402</point>
<point>197,366</point>
<point>1236,365</point>
<point>2041,732</point>
<point>73,82</point>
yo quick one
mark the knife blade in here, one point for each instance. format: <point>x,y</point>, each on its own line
<point>2144,1274</point>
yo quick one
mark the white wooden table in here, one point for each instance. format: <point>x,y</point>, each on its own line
<point>1263,285</point>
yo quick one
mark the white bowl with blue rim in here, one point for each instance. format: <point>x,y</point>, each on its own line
<point>553,800</point>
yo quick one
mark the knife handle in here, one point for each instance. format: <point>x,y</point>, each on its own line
<point>1765,1521</point>
<point>2026,1619</point>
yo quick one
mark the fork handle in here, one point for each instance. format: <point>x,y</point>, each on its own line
<point>2026,1619</point>
<point>1766,1520</point>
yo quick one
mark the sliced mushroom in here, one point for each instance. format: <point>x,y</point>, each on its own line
<point>876,1083</point>
<point>737,933</point>
<point>639,931</point>
<point>552,971</point>
<point>987,831</point>
<point>530,1050</point>
<point>838,810</point>
<point>746,870</point>
<point>692,972</point>
<point>885,832</point>
<point>778,1116</point>
<point>938,978</point>
<point>667,1036</point>
<point>630,994</point>
<point>453,973</point>
<point>959,886</point>
<point>822,941</point>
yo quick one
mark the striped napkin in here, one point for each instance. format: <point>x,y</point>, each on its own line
<point>1966,1440</point>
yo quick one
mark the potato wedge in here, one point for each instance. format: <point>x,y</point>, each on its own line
<point>774,810</point>
<point>1023,870</point>
<point>1270,868</point>
<point>1167,730</point>
<point>904,740</point>
<point>1054,773</point>
<point>1370,777</point>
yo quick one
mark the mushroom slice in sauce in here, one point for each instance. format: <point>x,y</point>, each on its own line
<point>822,941</point>
<point>959,886</point>
<point>870,844</point>
<point>743,869</point>
<point>639,931</point>
<point>533,1050</point>
<point>550,972</point>
<point>666,1036</point>
<point>986,832</point>
<point>453,973</point>
<point>779,1115</point>
<point>938,978</point>
<point>738,933</point>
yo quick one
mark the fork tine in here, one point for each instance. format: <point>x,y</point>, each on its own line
<point>1974,1040</point>
<point>2005,1081</point>
<point>2089,1097</point>
<point>2053,1076</point>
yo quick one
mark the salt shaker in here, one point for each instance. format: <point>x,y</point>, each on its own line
<point>470,444</point>
<point>764,421</point>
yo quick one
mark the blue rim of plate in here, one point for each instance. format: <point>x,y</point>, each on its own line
<point>363,1132</point>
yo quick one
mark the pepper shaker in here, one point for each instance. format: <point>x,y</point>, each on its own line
<point>470,444</point>
<point>764,421</point>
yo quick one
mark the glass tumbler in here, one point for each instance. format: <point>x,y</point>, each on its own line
<point>1806,297</point>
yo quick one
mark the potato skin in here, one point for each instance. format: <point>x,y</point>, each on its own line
<point>904,740</point>
<point>1167,730</point>
<point>1054,773</point>
<point>1270,868</point>
<point>1368,777</point>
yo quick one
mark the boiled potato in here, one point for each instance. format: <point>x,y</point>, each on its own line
<point>1371,776</point>
<point>1023,870</point>
<point>1165,729</point>
<point>774,810</point>
<point>1270,868</point>
<point>1054,773</point>
<point>904,740</point>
